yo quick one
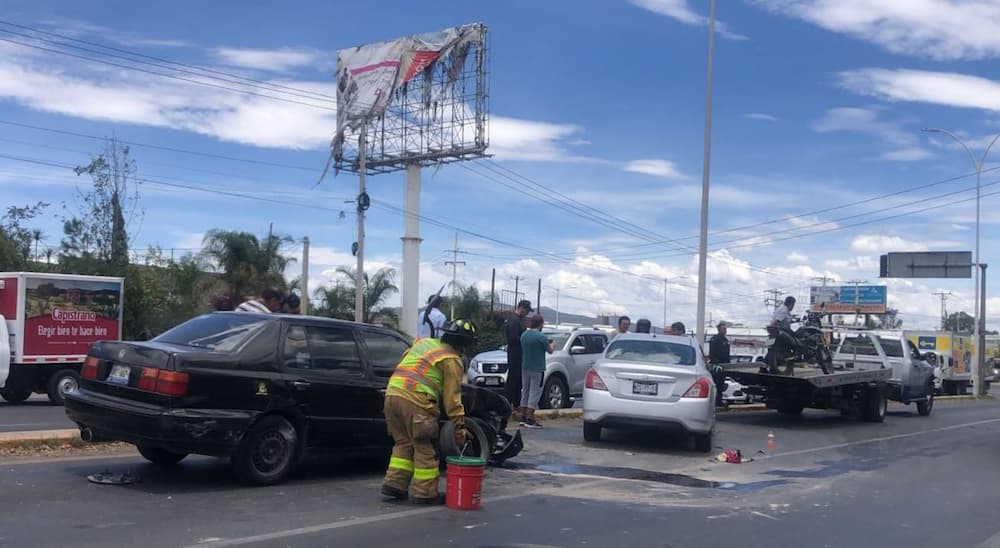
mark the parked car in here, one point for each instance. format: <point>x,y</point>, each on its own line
<point>575,353</point>
<point>649,380</point>
<point>261,389</point>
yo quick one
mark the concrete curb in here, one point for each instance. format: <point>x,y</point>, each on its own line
<point>549,414</point>
<point>9,439</point>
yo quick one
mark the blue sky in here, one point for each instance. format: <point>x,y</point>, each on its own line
<point>818,104</point>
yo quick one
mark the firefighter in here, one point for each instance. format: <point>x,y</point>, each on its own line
<point>429,377</point>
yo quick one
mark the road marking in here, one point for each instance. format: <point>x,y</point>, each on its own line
<point>992,542</point>
<point>366,520</point>
<point>878,440</point>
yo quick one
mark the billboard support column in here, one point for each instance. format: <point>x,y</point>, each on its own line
<point>411,253</point>
<point>359,278</point>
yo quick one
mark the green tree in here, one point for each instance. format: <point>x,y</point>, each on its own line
<point>333,301</point>
<point>378,288</point>
<point>468,305</point>
<point>959,322</point>
<point>15,236</point>
<point>96,238</point>
<point>247,263</point>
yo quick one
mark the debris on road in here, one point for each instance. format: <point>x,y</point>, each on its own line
<point>732,456</point>
<point>109,478</point>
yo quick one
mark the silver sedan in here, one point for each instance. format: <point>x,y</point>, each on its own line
<point>648,380</point>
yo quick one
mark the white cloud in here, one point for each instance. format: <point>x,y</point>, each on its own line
<point>658,168</point>
<point>796,257</point>
<point>867,121</point>
<point>940,29</point>
<point>516,139</point>
<point>880,243</point>
<point>680,11</point>
<point>94,93</point>
<point>921,86</point>
<point>274,60</point>
<point>910,154</point>
<point>760,117</point>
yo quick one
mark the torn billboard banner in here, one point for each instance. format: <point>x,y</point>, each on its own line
<point>369,75</point>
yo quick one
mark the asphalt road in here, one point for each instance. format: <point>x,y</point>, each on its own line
<point>911,481</point>
<point>35,414</point>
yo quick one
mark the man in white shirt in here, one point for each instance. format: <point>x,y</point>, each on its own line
<point>783,314</point>
<point>270,301</point>
<point>431,320</point>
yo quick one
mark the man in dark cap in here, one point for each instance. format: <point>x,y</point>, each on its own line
<point>513,328</point>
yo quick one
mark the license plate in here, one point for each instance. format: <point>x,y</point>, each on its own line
<point>492,381</point>
<point>645,388</point>
<point>119,374</point>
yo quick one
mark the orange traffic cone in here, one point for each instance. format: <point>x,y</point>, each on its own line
<point>770,442</point>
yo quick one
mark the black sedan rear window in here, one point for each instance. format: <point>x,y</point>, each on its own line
<point>221,332</point>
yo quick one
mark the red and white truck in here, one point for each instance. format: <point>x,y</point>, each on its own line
<point>47,324</point>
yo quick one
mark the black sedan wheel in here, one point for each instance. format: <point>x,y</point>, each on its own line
<point>267,452</point>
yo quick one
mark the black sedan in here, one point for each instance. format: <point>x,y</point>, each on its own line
<point>261,389</point>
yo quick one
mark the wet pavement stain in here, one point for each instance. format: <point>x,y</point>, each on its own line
<point>620,472</point>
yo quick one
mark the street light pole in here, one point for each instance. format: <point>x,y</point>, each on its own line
<point>706,164</point>
<point>978,355</point>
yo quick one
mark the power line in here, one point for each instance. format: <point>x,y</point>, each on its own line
<point>160,147</point>
<point>171,76</point>
<point>230,77</point>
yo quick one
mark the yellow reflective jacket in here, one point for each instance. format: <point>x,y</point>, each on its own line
<point>430,373</point>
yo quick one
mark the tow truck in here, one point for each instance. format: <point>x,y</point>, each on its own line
<point>868,371</point>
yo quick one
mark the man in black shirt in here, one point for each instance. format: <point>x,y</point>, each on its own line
<point>512,331</point>
<point>718,353</point>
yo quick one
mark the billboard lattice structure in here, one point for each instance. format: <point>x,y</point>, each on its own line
<point>422,100</point>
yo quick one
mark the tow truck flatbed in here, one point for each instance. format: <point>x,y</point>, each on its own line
<point>860,392</point>
<point>751,374</point>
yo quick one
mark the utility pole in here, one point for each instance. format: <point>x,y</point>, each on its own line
<point>454,262</point>
<point>944,312</point>
<point>304,281</point>
<point>664,303</point>
<point>775,298</point>
<point>538,299</point>
<point>705,180</point>
<point>822,293</point>
<point>517,282</point>
<point>363,202</point>
<point>857,299</point>
<point>493,292</point>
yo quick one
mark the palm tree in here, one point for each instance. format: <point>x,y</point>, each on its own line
<point>37,235</point>
<point>334,301</point>
<point>378,288</point>
<point>247,263</point>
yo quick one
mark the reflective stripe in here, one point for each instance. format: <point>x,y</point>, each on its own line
<point>400,463</point>
<point>411,379</point>
<point>428,360</point>
<point>426,473</point>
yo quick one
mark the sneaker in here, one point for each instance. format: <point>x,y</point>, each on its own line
<point>530,423</point>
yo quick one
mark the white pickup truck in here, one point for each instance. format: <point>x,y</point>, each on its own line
<point>912,378</point>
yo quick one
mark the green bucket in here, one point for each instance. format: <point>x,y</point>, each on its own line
<point>466,461</point>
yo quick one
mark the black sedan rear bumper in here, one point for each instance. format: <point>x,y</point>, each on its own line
<point>201,431</point>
